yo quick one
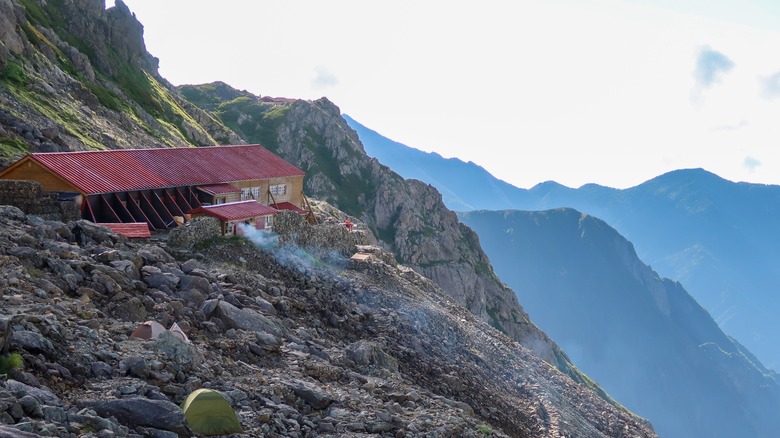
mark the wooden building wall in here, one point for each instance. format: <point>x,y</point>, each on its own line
<point>294,193</point>
<point>31,171</point>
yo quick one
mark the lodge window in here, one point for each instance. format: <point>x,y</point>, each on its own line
<point>278,189</point>
<point>269,221</point>
<point>219,201</point>
<point>250,193</point>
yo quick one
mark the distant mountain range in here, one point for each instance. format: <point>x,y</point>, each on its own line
<point>643,338</point>
<point>719,238</point>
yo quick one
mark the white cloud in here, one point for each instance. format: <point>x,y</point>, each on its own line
<point>770,86</point>
<point>323,79</point>
<point>710,66</point>
<point>751,164</point>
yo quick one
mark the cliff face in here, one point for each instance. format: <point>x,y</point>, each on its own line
<point>75,76</point>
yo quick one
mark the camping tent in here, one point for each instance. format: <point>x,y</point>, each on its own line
<point>148,330</point>
<point>209,413</point>
<point>179,333</point>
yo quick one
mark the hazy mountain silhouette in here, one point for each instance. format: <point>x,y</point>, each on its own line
<point>463,186</point>
<point>719,238</point>
<point>641,337</point>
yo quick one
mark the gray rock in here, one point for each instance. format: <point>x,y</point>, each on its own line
<point>6,329</point>
<point>162,281</point>
<point>200,284</point>
<point>156,433</point>
<point>101,369</point>
<point>192,297</point>
<point>31,406</point>
<point>185,356</point>
<point>132,310</point>
<point>12,432</point>
<point>43,395</point>
<point>244,319</point>
<point>135,412</point>
<point>33,342</point>
<point>54,414</point>
<point>313,396</point>
<point>134,366</point>
<point>152,254</point>
<point>9,212</point>
<point>127,268</point>
<point>190,265</point>
<point>370,354</point>
<point>265,306</point>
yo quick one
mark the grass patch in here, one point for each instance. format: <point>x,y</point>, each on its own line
<point>484,429</point>
<point>219,241</point>
<point>12,361</point>
<point>494,322</point>
<point>67,115</point>
<point>12,148</point>
<point>106,97</point>
<point>262,124</point>
<point>14,74</point>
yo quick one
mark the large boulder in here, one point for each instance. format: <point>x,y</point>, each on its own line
<point>243,319</point>
<point>135,412</point>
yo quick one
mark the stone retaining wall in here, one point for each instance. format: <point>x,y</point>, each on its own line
<point>31,199</point>
<point>197,230</point>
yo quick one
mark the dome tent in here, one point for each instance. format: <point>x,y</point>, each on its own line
<point>209,413</point>
<point>148,330</point>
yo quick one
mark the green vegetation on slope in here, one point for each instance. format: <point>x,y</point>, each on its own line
<point>136,84</point>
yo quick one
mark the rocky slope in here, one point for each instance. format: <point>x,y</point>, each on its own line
<point>299,341</point>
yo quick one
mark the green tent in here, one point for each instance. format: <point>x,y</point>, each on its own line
<point>208,413</point>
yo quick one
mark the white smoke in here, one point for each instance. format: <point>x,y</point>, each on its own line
<point>293,257</point>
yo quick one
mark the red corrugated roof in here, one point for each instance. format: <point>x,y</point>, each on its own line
<point>130,230</point>
<point>220,189</point>
<point>235,211</point>
<point>288,206</point>
<point>122,170</point>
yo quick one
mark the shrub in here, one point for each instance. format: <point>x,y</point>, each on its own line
<point>10,362</point>
<point>484,429</point>
<point>13,73</point>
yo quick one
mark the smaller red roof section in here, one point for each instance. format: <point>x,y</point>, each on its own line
<point>219,189</point>
<point>235,211</point>
<point>129,230</point>
<point>288,206</point>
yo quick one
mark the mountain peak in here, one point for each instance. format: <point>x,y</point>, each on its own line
<point>680,176</point>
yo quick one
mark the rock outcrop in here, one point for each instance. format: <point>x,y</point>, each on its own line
<point>77,76</point>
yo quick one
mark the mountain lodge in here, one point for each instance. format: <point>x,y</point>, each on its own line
<point>165,187</point>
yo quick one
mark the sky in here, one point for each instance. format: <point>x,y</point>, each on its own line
<point>612,92</point>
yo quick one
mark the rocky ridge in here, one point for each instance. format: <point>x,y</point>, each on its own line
<point>301,342</point>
